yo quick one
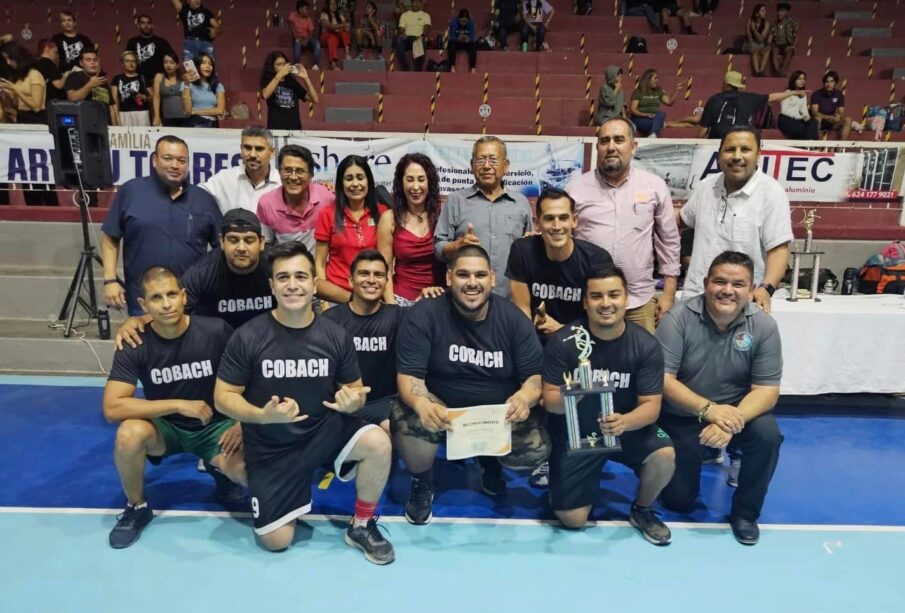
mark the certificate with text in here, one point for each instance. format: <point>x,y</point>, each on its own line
<point>475,431</point>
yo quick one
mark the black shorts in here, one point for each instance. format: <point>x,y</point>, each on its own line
<point>281,486</point>
<point>575,480</point>
<point>377,411</point>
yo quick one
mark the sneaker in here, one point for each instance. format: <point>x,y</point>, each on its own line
<point>540,476</point>
<point>369,540</point>
<point>231,495</point>
<point>129,525</point>
<point>315,67</point>
<point>492,482</point>
<point>421,499</point>
<point>735,467</point>
<point>649,525</point>
<point>745,532</point>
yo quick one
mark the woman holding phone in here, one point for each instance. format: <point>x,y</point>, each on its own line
<point>204,100</point>
<point>284,86</point>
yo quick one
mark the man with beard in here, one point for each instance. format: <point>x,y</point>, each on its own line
<point>633,361</point>
<point>739,209</point>
<point>160,219</point>
<point>231,283</point>
<point>723,362</point>
<point>628,212</point>
<point>242,186</point>
<point>149,48</point>
<point>373,326</point>
<point>465,348</point>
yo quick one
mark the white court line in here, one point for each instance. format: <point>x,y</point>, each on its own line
<point>477,521</point>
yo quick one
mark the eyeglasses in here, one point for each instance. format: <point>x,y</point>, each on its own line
<point>291,172</point>
<point>492,161</point>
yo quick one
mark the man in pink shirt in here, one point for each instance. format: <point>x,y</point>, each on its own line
<point>290,213</point>
<point>304,34</point>
<point>628,212</point>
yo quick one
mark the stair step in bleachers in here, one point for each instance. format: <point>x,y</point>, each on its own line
<point>348,115</point>
<point>872,32</point>
<point>887,52</point>
<point>359,88</point>
<point>898,73</point>
<point>364,65</point>
<point>851,15</point>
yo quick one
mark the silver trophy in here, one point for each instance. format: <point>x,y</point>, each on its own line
<point>573,392</point>
<point>809,249</point>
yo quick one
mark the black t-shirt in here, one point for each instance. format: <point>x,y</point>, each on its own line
<point>128,88</point>
<point>283,105</point>
<point>78,80</point>
<point>468,363</point>
<point>374,337</point>
<point>150,51</point>
<point>70,48</point>
<point>728,109</point>
<point>635,362</point>
<point>307,364</point>
<point>50,72</point>
<point>216,291</point>
<point>183,368</point>
<point>559,285</point>
<point>196,22</point>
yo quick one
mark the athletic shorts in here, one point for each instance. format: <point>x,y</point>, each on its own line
<point>376,411</point>
<point>204,443</point>
<point>575,479</point>
<point>280,486</point>
<point>530,441</point>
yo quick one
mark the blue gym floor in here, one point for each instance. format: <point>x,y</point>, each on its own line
<point>833,531</point>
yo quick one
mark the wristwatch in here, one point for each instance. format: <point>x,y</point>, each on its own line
<point>769,287</point>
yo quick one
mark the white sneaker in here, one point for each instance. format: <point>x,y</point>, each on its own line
<point>315,67</point>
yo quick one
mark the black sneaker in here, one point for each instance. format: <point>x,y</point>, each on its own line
<point>369,540</point>
<point>649,525</point>
<point>231,495</point>
<point>418,509</point>
<point>129,525</point>
<point>492,482</point>
<point>540,476</point>
<point>745,532</point>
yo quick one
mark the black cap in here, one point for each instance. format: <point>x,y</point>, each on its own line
<point>240,220</point>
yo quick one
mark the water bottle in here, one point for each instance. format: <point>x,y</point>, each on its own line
<point>848,281</point>
<point>103,324</point>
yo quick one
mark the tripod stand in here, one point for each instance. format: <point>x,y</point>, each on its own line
<point>85,268</point>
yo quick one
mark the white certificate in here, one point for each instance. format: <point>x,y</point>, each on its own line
<point>481,430</point>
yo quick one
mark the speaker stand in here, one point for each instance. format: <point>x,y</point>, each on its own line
<point>85,268</point>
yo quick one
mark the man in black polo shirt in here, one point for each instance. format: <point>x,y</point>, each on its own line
<point>465,348</point>
<point>634,361</point>
<point>373,327</point>
<point>149,48</point>
<point>232,283</point>
<point>160,219</point>
<point>292,378</point>
<point>733,106</point>
<point>552,268</point>
<point>176,365</point>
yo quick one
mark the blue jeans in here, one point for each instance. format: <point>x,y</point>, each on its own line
<point>312,43</point>
<point>647,126</point>
<point>645,11</point>
<point>191,47</point>
<point>538,35</point>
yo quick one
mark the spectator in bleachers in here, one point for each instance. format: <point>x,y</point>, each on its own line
<point>304,34</point>
<point>149,49</point>
<point>166,94</point>
<point>199,28</point>
<point>828,107</point>
<point>335,33</point>
<point>413,26</point>
<point>462,37</point>
<point>644,107</point>
<point>706,7</point>
<point>48,64</point>
<point>131,98</point>
<point>536,16</point>
<point>284,86</point>
<point>290,213</point>
<point>783,38</point>
<point>505,20</point>
<point>69,42</point>
<point>643,8</point>
<point>367,34</point>
<point>25,84</point>
<point>757,35</point>
<point>735,107</point>
<point>89,82</point>
<point>5,38</point>
<point>405,234</point>
<point>672,8</point>
<point>346,228</point>
<point>240,187</point>
<point>204,99</point>
<point>795,119</point>
<point>611,97</point>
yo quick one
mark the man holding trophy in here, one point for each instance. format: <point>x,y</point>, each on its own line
<point>603,379</point>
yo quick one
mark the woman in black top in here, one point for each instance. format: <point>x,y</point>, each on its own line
<point>283,86</point>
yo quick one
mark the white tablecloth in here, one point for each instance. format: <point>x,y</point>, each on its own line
<point>843,344</point>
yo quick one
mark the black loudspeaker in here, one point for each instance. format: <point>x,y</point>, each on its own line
<point>81,145</point>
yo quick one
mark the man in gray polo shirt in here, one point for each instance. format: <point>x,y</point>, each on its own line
<point>485,214</point>
<point>723,361</point>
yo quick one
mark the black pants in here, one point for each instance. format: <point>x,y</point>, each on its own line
<point>470,48</point>
<point>503,32</point>
<point>706,6</point>
<point>759,444</point>
<point>798,129</point>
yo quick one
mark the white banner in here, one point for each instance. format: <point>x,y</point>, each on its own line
<point>25,157</point>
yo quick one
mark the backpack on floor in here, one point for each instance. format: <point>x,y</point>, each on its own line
<point>884,273</point>
<point>764,119</point>
<point>636,44</point>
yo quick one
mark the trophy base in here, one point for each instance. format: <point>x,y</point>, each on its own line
<point>598,449</point>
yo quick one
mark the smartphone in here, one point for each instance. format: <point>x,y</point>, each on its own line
<point>189,66</point>
<point>294,69</point>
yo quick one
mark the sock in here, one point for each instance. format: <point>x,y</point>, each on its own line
<point>640,507</point>
<point>139,506</point>
<point>426,477</point>
<point>364,511</point>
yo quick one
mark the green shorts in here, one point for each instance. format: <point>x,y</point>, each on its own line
<point>204,443</point>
